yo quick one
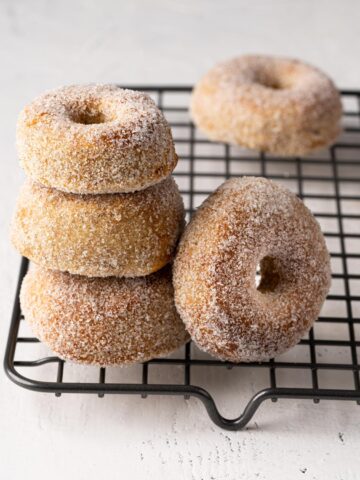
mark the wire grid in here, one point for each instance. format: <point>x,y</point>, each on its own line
<point>327,358</point>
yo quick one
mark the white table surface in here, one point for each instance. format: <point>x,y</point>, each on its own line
<point>47,44</point>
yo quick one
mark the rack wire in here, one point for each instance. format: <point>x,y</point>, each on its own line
<point>324,365</point>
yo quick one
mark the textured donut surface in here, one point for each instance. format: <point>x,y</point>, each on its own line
<point>103,321</point>
<point>95,139</point>
<point>245,223</point>
<point>99,235</point>
<point>277,105</point>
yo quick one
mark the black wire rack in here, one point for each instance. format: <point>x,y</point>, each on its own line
<point>324,365</point>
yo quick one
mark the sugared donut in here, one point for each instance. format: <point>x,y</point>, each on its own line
<point>103,321</point>
<point>248,222</point>
<point>95,139</point>
<point>277,105</point>
<point>99,235</point>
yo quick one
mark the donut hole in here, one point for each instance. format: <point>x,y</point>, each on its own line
<point>257,276</point>
<point>89,117</point>
<point>268,275</point>
<point>273,82</point>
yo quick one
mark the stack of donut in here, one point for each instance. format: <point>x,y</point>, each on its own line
<point>99,217</point>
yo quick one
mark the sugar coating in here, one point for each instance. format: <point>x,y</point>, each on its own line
<point>95,139</point>
<point>244,223</point>
<point>125,234</point>
<point>277,105</point>
<point>103,321</point>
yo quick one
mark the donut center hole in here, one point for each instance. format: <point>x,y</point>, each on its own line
<point>89,118</point>
<point>271,81</point>
<point>268,274</point>
<point>274,85</point>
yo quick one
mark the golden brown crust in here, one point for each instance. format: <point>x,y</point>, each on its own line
<point>103,321</point>
<point>99,235</point>
<point>276,105</point>
<point>95,139</point>
<point>247,222</point>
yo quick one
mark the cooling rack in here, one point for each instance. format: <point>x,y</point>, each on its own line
<point>323,366</point>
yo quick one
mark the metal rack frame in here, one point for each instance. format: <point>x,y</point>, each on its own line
<point>336,161</point>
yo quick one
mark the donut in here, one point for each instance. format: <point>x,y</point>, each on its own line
<point>95,139</point>
<point>103,321</point>
<point>99,235</point>
<point>276,105</point>
<point>245,223</point>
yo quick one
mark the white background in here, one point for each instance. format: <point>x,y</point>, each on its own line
<point>47,44</point>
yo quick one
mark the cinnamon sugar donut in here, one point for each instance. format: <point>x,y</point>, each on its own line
<point>247,222</point>
<point>95,139</point>
<point>99,235</point>
<point>103,321</point>
<point>277,105</point>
